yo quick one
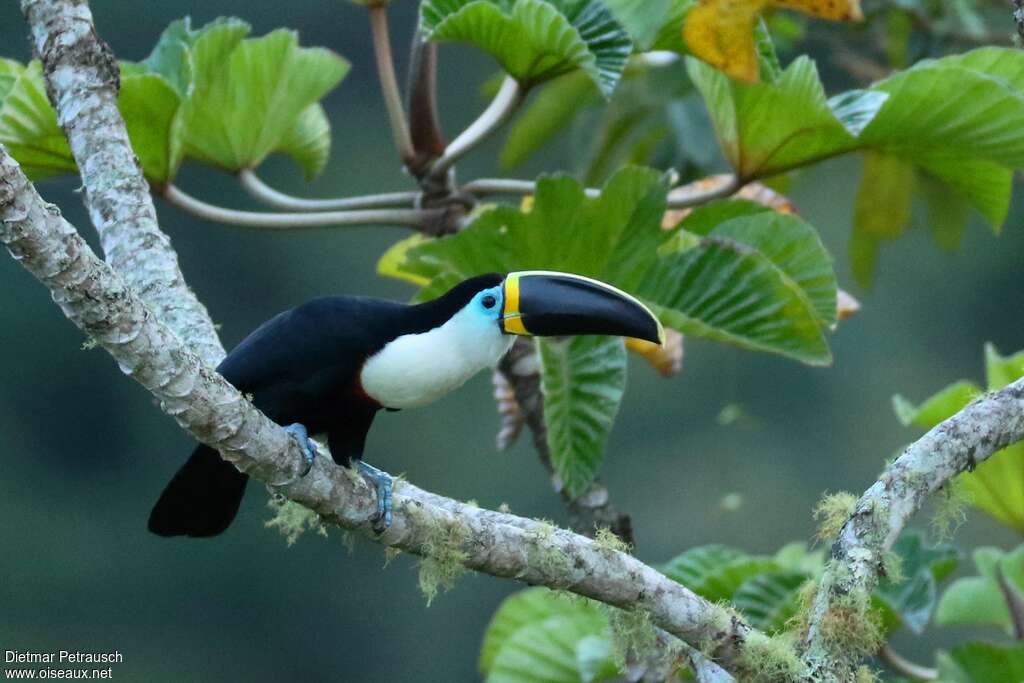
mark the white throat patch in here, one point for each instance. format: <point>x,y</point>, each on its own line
<point>416,369</point>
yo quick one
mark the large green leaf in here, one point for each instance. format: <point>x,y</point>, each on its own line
<point>559,649</point>
<point>551,110</point>
<point>725,290</point>
<point>644,19</point>
<point>28,124</point>
<point>980,599</point>
<point>716,571</point>
<point>248,96</point>
<point>767,128</point>
<point>795,248</point>
<point>583,379</point>
<point>539,635</point>
<point>526,607</point>
<point>982,663</point>
<point>534,40</point>
<point>923,567</point>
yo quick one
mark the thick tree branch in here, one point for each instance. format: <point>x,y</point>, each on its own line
<point>988,425</point>
<point>82,80</point>
<point>96,299</point>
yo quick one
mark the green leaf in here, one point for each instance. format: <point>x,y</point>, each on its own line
<point>883,200</point>
<point>1002,370</point>
<point>796,249</point>
<point>979,599</point>
<point>553,108</point>
<point>771,599</point>
<point>982,663</point>
<point>529,606</point>
<point>703,219</point>
<point>583,379</point>
<point>549,652</point>
<point>767,128</point>
<point>308,142</point>
<point>716,572</point>
<point>150,109</point>
<point>643,19</point>
<point>913,599</point>
<point>539,635</point>
<point>938,407</point>
<point>171,56</point>
<point>28,124</point>
<point>730,292</point>
<point>248,97</point>
<point>1003,63</point>
<point>534,40</point>
<point>947,210</point>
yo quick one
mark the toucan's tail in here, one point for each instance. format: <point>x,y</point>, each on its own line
<point>202,499</point>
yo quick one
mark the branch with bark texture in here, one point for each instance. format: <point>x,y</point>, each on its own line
<point>102,305</point>
<point>988,425</point>
<point>82,80</point>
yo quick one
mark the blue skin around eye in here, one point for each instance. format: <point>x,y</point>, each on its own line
<point>494,312</point>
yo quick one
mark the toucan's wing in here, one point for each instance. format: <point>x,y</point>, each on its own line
<point>298,361</point>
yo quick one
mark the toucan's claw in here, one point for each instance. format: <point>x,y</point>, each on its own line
<point>383,482</point>
<point>308,447</point>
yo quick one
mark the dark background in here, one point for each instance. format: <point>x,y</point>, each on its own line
<point>85,451</point>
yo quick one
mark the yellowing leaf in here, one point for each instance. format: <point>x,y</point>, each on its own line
<point>721,32</point>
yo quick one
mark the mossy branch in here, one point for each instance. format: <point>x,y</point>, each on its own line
<point>859,551</point>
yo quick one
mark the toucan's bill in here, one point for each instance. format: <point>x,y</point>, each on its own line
<point>547,304</point>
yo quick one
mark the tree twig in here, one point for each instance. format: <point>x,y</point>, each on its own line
<point>97,300</point>
<point>388,82</point>
<point>417,218</point>
<point>259,190</point>
<point>501,108</point>
<point>424,122</point>
<point>904,667</point>
<point>986,426</point>
<point>484,187</point>
<point>82,81</point>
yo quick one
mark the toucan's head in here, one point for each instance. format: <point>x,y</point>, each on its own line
<point>440,344</point>
<point>546,303</point>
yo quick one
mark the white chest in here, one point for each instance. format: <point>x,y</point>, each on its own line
<point>416,369</point>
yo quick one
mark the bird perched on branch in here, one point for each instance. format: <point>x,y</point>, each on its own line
<point>327,367</point>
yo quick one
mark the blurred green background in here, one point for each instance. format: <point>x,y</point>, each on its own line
<point>85,451</point>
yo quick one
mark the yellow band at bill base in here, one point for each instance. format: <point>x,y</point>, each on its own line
<point>512,322</point>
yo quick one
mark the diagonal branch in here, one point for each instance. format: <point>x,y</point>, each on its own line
<point>988,425</point>
<point>100,303</point>
<point>82,80</point>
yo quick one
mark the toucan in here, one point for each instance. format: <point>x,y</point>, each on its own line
<point>328,366</point>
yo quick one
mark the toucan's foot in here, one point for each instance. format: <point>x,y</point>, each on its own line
<point>383,483</point>
<point>308,447</point>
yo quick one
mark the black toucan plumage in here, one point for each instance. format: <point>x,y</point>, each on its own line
<point>329,365</point>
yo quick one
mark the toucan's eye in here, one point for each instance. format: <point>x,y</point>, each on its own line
<point>488,301</point>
